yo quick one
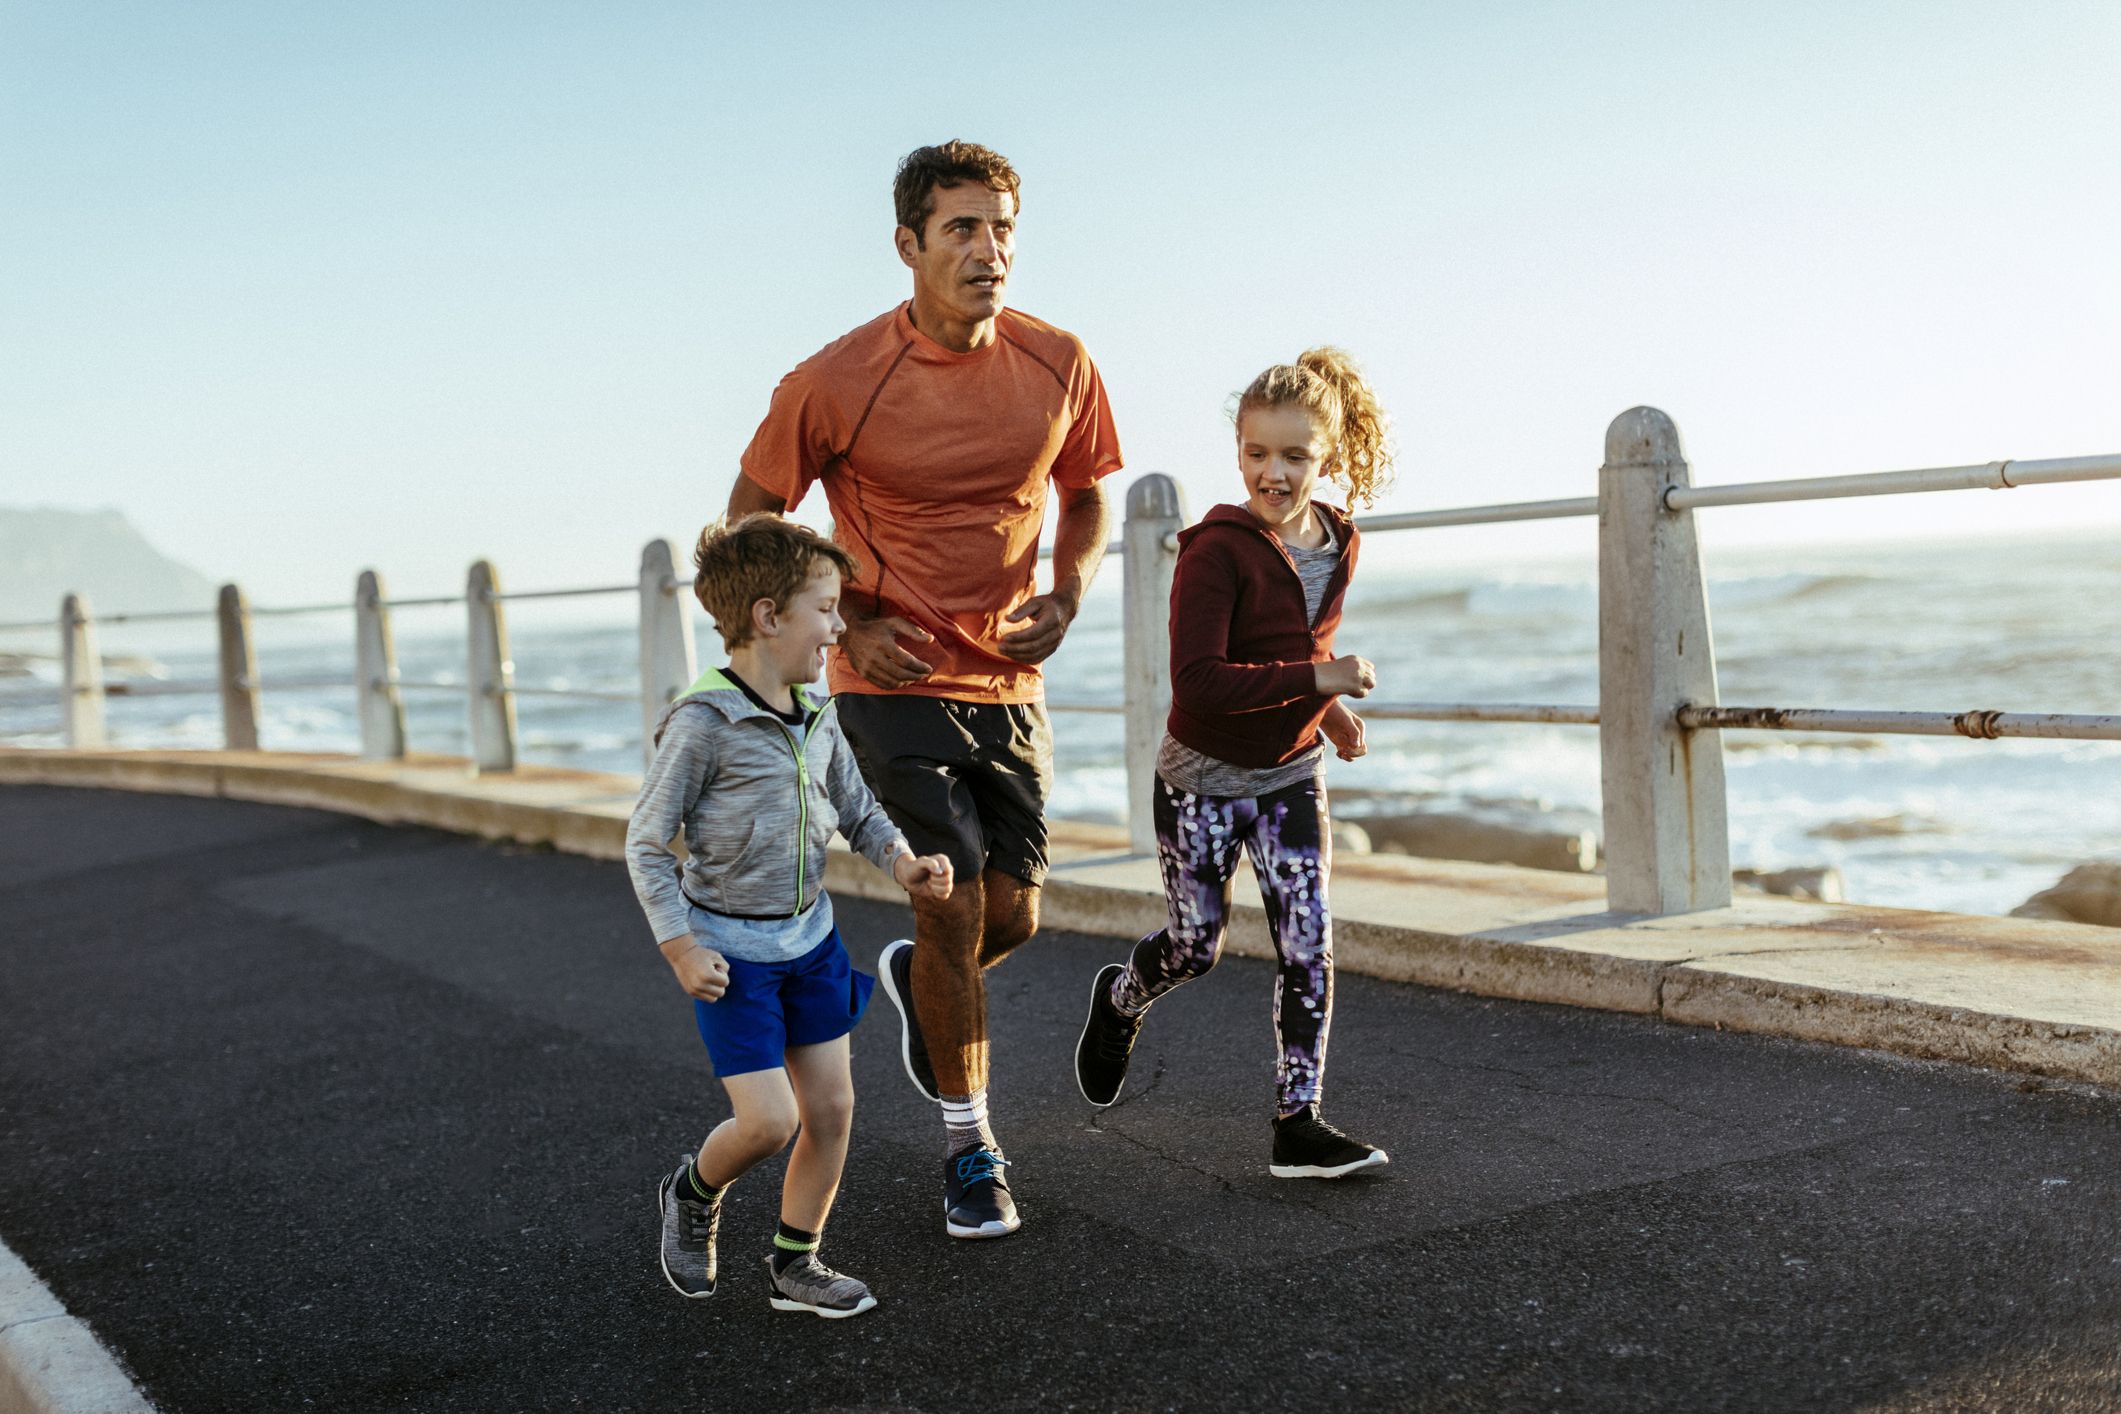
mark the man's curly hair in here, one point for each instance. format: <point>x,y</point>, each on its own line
<point>950,164</point>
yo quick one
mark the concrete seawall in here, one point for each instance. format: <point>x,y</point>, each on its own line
<point>2019,994</point>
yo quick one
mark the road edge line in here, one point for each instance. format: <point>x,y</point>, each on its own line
<point>50,1361</point>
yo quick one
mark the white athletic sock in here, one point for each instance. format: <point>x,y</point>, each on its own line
<point>965,1122</point>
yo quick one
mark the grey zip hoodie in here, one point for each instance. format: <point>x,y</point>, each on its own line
<point>757,800</point>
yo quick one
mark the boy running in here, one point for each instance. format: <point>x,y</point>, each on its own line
<point>755,775</point>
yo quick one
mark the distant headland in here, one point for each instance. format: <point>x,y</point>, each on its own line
<point>47,553</point>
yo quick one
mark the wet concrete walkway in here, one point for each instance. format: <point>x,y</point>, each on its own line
<point>301,1111</point>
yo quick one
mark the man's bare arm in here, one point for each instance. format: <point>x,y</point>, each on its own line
<point>1079,537</point>
<point>748,496</point>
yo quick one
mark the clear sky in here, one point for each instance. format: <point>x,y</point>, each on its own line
<point>304,288</point>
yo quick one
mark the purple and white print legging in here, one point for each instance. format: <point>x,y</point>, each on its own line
<point>1287,834</point>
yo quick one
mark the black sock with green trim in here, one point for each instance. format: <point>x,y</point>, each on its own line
<point>790,1243</point>
<point>697,1189</point>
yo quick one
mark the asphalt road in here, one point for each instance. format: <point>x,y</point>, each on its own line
<point>298,1111</point>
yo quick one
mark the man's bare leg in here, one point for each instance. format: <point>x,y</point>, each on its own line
<point>1010,915</point>
<point>950,1000</point>
<point>987,919</point>
<point>949,995</point>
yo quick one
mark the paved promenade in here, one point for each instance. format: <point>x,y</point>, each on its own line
<point>302,1111</point>
<point>2037,997</point>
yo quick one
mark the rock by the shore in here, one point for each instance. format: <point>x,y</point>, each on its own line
<point>26,664</point>
<point>1822,884</point>
<point>2089,893</point>
<point>1350,838</point>
<point>1484,841</point>
<point>1878,827</point>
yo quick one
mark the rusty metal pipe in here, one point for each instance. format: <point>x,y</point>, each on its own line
<point>1978,725</point>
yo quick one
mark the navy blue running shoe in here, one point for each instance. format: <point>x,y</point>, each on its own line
<point>976,1199</point>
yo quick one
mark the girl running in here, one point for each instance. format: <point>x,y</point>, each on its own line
<point>1254,685</point>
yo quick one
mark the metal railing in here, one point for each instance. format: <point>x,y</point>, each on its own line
<point>1659,718</point>
<point>1667,841</point>
<point>488,687</point>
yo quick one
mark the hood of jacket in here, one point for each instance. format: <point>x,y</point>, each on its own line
<point>715,688</point>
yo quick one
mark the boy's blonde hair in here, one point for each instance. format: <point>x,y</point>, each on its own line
<point>1325,381</point>
<point>762,556</point>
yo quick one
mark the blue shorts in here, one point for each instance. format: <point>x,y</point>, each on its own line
<point>771,1006</point>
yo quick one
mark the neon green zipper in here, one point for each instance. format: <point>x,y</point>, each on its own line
<point>802,811</point>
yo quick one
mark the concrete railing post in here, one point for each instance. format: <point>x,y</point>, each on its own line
<point>82,682</point>
<point>239,672</point>
<point>490,675</point>
<point>379,704</point>
<point>669,661</point>
<point>1666,841</point>
<point>1156,512</point>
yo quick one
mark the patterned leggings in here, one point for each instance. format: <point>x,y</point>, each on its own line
<point>1287,834</point>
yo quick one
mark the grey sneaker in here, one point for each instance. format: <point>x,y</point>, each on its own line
<point>810,1285</point>
<point>688,1234</point>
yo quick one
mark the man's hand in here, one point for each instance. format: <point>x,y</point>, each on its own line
<point>1078,549</point>
<point>923,875</point>
<point>871,645</point>
<point>1345,730</point>
<point>1350,676</point>
<point>1050,615</point>
<point>702,972</point>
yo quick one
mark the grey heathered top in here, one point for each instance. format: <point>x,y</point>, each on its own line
<point>757,801</point>
<point>1201,774</point>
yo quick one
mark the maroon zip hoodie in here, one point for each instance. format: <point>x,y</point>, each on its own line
<point>1242,685</point>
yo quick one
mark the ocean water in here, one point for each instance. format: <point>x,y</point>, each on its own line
<point>1924,822</point>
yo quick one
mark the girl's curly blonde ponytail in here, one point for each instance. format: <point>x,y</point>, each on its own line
<point>1326,382</point>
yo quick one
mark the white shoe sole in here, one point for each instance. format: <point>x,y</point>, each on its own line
<point>983,1230</point>
<point>905,1015</point>
<point>1376,1158</point>
<point>662,1189</point>
<point>1089,1017</point>
<point>782,1303</point>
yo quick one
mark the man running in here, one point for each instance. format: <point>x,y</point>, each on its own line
<point>936,430</point>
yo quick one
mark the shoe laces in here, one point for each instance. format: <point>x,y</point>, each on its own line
<point>1115,1039</point>
<point>697,1221</point>
<point>979,1164</point>
<point>1308,1121</point>
<point>1116,1042</point>
<point>810,1269</point>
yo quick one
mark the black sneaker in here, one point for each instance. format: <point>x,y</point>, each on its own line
<point>688,1234</point>
<point>976,1201</point>
<point>1107,1042</point>
<point>894,968</point>
<point>1305,1146</point>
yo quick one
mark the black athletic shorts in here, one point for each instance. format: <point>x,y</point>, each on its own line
<point>965,779</point>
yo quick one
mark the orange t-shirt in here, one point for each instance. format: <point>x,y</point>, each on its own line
<point>935,464</point>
